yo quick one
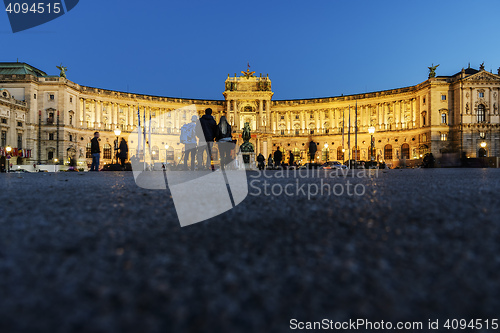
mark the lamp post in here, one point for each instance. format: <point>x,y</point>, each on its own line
<point>371,130</point>
<point>8,149</point>
<point>327,152</point>
<point>117,133</point>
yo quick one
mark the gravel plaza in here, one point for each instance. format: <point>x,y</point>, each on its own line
<point>93,252</point>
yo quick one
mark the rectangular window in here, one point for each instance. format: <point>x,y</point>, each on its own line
<point>19,124</point>
<point>71,99</point>
<point>282,132</point>
<point>34,96</point>
<point>443,97</point>
<point>70,137</point>
<point>297,132</point>
<point>481,94</point>
<point>20,141</point>
<point>4,139</point>
<point>50,155</point>
<point>51,136</point>
<point>443,118</point>
<point>51,97</point>
<point>282,117</point>
<point>4,120</point>
<point>297,117</point>
<point>444,136</point>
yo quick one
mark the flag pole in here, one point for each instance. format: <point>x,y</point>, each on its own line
<point>144,139</point>
<point>356,135</point>
<point>349,137</point>
<point>343,125</point>
<point>149,140</point>
<point>139,131</point>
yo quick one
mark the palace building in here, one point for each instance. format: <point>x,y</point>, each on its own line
<point>48,119</point>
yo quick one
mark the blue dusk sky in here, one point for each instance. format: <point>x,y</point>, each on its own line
<point>308,48</point>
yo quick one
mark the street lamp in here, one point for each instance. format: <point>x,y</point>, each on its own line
<point>371,130</point>
<point>483,144</point>
<point>8,149</point>
<point>166,153</point>
<point>117,133</point>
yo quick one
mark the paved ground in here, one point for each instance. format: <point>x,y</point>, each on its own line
<point>95,253</point>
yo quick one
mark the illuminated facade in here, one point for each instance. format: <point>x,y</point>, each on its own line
<point>55,118</point>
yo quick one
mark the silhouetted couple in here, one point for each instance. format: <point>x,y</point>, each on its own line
<point>209,131</point>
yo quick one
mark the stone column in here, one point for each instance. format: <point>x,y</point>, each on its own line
<point>302,122</point>
<point>97,111</point>
<point>331,117</point>
<point>268,114</point>
<point>84,114</point>
<point>288,121</point>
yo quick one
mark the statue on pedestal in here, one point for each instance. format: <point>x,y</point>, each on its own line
<point>246,147</point>
<point>432,70</point>
<point>63,70</point>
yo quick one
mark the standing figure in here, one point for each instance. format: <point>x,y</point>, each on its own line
<point>123,154</point>
<point>188,138</point>
<point>260,160</point>
<point>224,141</point>
<point>207,130</point>
<point>291,160</point>
<point>95,151</point>
<point>278,156</point>
<point>313,148</point>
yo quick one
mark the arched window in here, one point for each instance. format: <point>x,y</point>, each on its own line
<point>107,151</point>
<point>443,118</point>
<point>89,154</point>
<point>388,153</point>
<point>340,154</point>
<point>155,153</point>
<point>481,152</point>
<point>423,118</point>
<point>405,151</point>
<point>481,116</point>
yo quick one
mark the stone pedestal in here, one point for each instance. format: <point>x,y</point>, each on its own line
<point>249,160</point>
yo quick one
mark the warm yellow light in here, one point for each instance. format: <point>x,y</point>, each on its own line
<point>118,132</point>
<point>343,150</point>
<point>154,153</point>
<point>326,145</point>
<point>371,129</point>
<point>56,160</point>
<point>483,144</point>
<point>166,146</point>
<point>8,149</point>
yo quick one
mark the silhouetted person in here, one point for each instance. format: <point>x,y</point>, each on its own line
<point>313,148</point>
<point>95,151</point>
<point>206,131</point>
<point>190,142</point>
<point>278,156</point>
<point>270,161</point>
<point>123,154</point>
<point>224,141</point>
<point>291,160</point>
<point>260,160</point>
